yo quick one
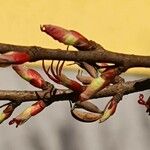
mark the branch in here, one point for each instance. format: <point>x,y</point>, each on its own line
<point>26,96</point>
<point>104,79</point>
<point>99,55</point>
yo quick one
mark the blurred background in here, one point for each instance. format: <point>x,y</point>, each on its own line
<point>119,26</point>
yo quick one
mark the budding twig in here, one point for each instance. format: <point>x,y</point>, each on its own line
<point>98,84</point>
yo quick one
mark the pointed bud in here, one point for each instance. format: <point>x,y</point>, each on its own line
<point>85,116</point>
<point>71,84</point>
<point>93,72</point>
<point>86,105</point>
<point>96,85</point>
<point>30,75</point>
<point>67,37</point>
<point>28,113</point>
<point>110,73</point>
<point>109,110</point>
<point>13,57</point>
<point>99,83</point>
<point>7,112</point>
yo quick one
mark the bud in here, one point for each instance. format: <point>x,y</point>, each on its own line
<point>109,110</point>
<point>88,106</point>
<point>96,85</point>
<point>90,68</point>
<point>109,74</point>
<point>30,75</point>
<point>85,116</point>
<point>67,37</point>
<point>28,113</point>
<point>71,84</point>
<point>13,57</point>
<point>99,83</point>
<point>7,112</point>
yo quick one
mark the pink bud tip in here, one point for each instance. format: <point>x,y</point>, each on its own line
<point>14,57</point>
<point>68,37</point>
<point>30,75</point>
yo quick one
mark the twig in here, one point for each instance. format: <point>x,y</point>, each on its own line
<point>99,55</point>
<point>26,96</point>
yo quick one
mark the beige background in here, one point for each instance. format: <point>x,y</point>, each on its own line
<point>121,26</point>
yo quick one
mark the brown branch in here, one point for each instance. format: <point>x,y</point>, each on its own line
<point>126,87</point>
<point>99,55</point>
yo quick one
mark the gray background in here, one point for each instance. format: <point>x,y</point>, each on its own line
<point>55,129</point>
